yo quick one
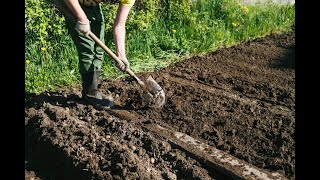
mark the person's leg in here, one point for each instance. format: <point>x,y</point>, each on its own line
<point>98,29</point>
<point>90,58</point>
<point>84,46</point>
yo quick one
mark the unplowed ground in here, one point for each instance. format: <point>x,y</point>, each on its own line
<point>240,100</point>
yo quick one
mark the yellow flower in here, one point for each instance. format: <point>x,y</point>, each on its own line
<point>49,27</point>
<point>27,61</point>
<point>245,9</point>
<point>235,24</point>
<point>239,4</point>
<point>174,31</point>
<point>43,49</point>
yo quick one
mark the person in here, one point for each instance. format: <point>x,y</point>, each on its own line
<point>90,17</point>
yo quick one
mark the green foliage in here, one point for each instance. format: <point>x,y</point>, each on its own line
<point>43,22</point>
<point>234,13</point>
<point>159,33</point>
<point>179,12</point>
<point>143,14</point>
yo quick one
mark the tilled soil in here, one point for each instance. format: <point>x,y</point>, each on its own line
<point>240,100</point>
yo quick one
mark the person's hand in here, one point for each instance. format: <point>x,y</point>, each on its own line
<point>83,27</point>
<point>124,65</point>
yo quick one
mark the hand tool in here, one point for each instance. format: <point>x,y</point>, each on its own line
<point>153,93</point>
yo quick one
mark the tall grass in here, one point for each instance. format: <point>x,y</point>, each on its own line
<point>178,31</point>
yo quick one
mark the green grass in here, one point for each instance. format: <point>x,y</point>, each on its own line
<point>208,26</point>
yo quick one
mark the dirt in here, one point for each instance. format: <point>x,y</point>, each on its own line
<point>240,100</point>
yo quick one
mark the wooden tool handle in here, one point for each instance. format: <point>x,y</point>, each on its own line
<point>105,48</point>
<point>67,12</point>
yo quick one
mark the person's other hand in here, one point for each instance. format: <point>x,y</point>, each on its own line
<point>83,27</point>
<point>124,65</point>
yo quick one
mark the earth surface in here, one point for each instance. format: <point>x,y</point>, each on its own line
<point>240,100</point>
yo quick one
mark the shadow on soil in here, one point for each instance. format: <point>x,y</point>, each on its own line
<point>240,100</point>
<point>287,60</point>
<point>69,100</point>
<point>49,162</point>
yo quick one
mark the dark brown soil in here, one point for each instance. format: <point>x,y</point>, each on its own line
<point>240,100</point>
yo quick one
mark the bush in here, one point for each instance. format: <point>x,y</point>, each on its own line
<point>159,32</point>
<point>45,23</point>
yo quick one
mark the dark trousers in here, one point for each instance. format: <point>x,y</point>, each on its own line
<point>90,54</point>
